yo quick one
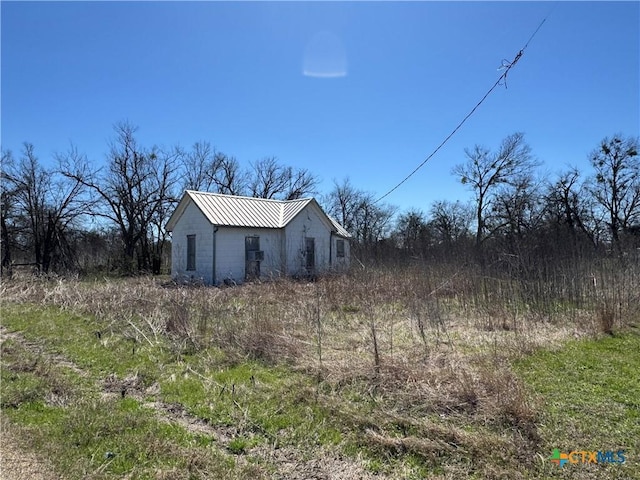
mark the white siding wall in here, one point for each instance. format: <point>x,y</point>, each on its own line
<point>230,247</point>
<point>284,249</point>
<point>192,222</point>
<point>308,223</point>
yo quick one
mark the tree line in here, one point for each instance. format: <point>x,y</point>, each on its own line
<point>520,217</point>
<point>76,217</point>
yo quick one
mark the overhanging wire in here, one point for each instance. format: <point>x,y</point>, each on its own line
<point>501,81</point>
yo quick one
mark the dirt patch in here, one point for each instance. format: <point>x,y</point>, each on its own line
<point>324,465</point>
<point>18,464</point>
<point>175,413</point>
<point>132,386</point>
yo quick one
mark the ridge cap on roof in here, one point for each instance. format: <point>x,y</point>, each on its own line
<point>281,215</point>
<point>274,200</point>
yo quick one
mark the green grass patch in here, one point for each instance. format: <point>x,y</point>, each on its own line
<point>103,351</point>
<point>264,403</point>
<point>62,415</point>
<point>479,425</point>
<point>116,438</point>
<point>28,377</point>
<point>261,404</point>
<point>98,347</point>
<point>589,400</point>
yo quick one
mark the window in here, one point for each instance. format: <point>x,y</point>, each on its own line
<point>340,248</point>
<point>191,252</point>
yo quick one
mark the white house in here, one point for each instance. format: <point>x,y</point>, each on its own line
<point>218,238</point>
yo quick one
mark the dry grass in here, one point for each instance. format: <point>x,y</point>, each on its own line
<point>428,349</point>
<point>403,332</point>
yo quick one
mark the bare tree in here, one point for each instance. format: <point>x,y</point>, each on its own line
<point>134,191</point>
<point>164,178</point>
<point>198,166</point>
<point>269,179</point>
<point>450,220</point>
<point>7,211</point>
<point>484,172</point>
<point>205,169</point>
<point>373,221</point>
<point>411,232</point>
<point>567,208</point>
<point>341,203</point>
<point>301,182</point>
<point>227,175</point>
<point>31,184</point>
<point>47,205</point>
<point>358,212</point>
<point>616,186</point>
<point>517,211</point>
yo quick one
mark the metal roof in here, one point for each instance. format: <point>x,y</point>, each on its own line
<point>237,211</point>
<point>340,230</point>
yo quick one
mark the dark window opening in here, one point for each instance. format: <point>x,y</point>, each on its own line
<point>310,254</point>
<point>191,252</point>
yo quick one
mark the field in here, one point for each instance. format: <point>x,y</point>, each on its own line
<point>383,373</point>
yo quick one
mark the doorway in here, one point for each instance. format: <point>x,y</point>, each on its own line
<point>252,258</point>
<point>310,255</point>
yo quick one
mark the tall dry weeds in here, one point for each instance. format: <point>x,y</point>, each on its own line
<point>418,341</point>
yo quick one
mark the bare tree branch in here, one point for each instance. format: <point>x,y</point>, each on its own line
<point>484,172</point>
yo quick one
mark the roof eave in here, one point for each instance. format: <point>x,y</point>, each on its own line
<point>177,213</point>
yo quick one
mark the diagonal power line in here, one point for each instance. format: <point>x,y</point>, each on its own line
<point>506,66</point>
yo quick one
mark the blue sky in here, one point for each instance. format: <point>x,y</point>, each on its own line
<point>364,90</point>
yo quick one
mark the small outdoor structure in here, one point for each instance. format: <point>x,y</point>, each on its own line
<point>225,238</point>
